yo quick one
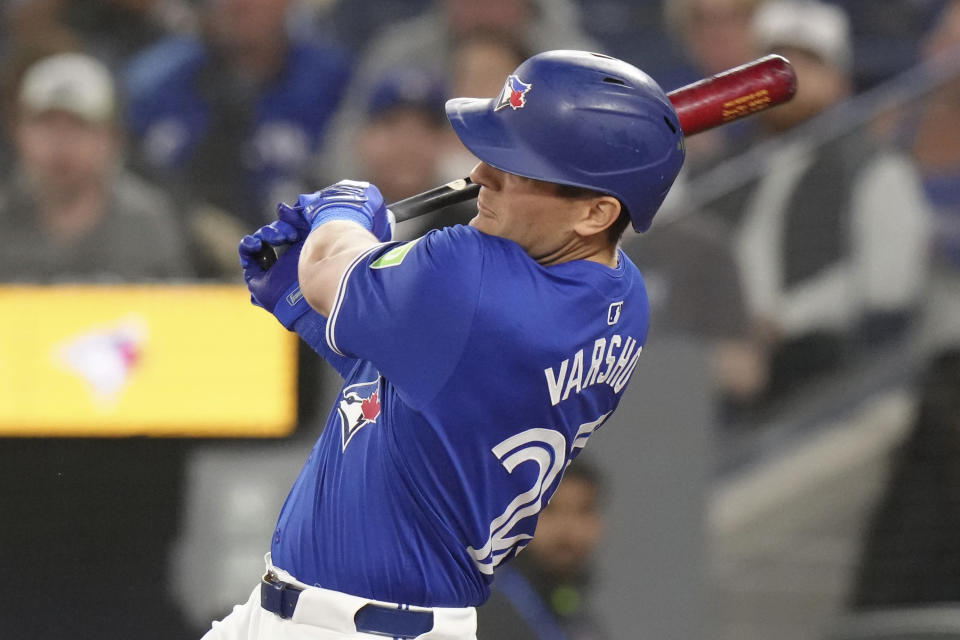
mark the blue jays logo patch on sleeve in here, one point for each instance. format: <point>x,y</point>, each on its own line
<point>359,406</point>
<point>514,94</point>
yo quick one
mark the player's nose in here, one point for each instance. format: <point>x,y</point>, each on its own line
<point>486,176</point>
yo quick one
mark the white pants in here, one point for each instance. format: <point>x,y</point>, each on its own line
<point>322,614</point>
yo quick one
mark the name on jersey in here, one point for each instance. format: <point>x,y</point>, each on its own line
<point>609,361</point>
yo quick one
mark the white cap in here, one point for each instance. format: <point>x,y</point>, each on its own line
<point>814,26</point>
<point>71,82</point>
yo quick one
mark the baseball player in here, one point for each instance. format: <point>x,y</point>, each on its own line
<point>477,360</point>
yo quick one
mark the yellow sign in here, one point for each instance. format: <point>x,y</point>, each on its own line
<point>159,360</point>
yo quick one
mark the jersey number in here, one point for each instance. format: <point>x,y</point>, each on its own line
<point>546,447</point>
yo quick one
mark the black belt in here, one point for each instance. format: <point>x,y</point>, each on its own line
<point>281,598</point>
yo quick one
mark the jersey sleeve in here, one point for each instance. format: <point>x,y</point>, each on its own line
<point>408,309</point>
<point>312,327</point>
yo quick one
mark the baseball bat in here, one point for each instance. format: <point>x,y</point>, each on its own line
<point>700,106</point>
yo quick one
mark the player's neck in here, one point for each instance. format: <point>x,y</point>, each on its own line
<point>609,256</point>
<point>594,251</point>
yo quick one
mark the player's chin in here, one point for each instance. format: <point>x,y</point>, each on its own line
<point>484,222</point>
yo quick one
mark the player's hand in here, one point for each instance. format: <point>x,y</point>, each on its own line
<point>277,290</point>
<point>360,202</point>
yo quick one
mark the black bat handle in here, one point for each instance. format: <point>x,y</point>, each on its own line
<point>443,196</point>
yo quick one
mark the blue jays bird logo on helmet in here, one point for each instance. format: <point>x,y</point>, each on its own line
<point>359,406</point>
<point>621,134</point>
<point>514,94</point>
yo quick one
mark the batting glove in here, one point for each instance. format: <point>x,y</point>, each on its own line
<point>277,289</point>
<point>360,202</point>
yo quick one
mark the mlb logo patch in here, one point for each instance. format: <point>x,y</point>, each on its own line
<point>514,94</point>
<point>613,313</point>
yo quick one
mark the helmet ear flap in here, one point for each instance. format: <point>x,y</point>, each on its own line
<point>580,119</point>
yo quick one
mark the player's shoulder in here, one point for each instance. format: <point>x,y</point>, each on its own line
<point>633,283</point>
<point>454,244</point>
<point>443,255</point>
<point>451,261</point>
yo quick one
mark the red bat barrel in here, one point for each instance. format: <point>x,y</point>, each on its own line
<point>734,94</point>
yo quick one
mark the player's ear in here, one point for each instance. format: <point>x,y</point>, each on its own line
<point>602,212</point>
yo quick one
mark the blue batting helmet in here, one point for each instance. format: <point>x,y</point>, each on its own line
<point>581,119</point>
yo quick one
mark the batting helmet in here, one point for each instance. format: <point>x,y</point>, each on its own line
<point>581,119</point>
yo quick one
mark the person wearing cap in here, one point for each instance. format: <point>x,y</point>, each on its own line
<point>401,145</point>
<point>399,142</point>
<point>831,240</point>
<point>87,522</point>
<point>70,211</point>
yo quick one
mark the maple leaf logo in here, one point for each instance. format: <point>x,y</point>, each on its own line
<point>370,408</point>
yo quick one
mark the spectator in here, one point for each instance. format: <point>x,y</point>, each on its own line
<point>544,593</point>
<point>88,520</point>
<point>428,40</point>
<point>233,119</point>
<point>713,35</point>
<point>830,241</point>
<point>481,61</point>
<point>399,144</point>
<point>690,261</point>
<point>405,145</point>
<point>69,210</point>
<point>25,37</point>
<point>480,64</point>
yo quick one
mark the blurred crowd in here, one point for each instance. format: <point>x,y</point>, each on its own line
<point>142,138</point>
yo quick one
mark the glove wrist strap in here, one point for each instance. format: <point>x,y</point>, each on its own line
<point>335,212</point>
<point>291,306</point>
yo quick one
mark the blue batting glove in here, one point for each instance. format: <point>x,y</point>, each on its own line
<point>277,290</point>
<point>360,202</point>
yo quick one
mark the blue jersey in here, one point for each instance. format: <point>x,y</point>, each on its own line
<point>473,376</point>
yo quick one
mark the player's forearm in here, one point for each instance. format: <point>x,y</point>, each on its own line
<point>326,254</point>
